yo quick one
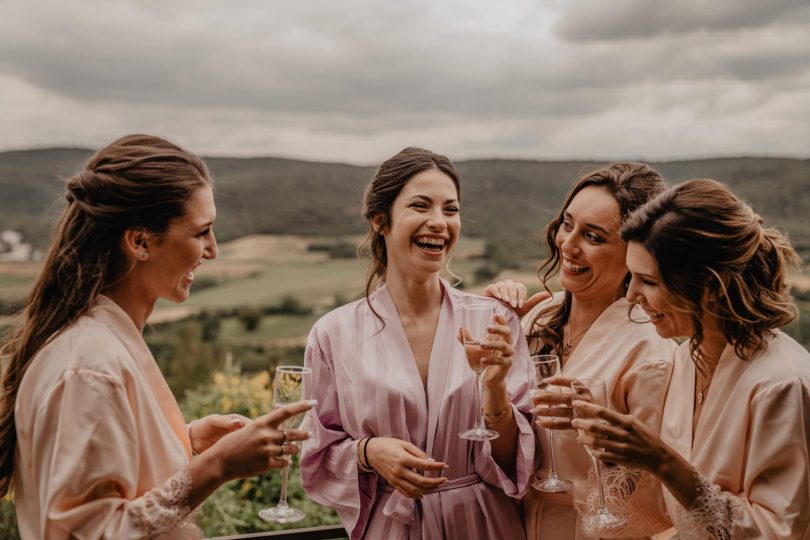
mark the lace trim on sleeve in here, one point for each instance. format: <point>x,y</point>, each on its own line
<point>628,491</point>
<point>163,512</point>
<point>710,516</point>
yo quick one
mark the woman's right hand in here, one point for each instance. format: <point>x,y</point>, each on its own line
<point>553,408</point>
<point>260,445</point>
<point>513,294</point>
<point>399,462</point>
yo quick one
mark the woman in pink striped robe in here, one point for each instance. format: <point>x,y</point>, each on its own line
<point>394,387</point>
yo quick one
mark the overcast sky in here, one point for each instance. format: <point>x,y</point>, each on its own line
<point>356,80</point>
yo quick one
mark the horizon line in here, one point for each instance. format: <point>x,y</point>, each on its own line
<point>539,159</point>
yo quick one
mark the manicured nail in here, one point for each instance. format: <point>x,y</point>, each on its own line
<point>312,402</point>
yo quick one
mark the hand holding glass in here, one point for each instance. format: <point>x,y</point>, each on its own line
<point>541,368</point>
<point>475,320</point>
<point>290,384</point>
<point>594,391</point>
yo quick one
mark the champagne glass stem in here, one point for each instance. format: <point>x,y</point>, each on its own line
<point>598,465</point>
<point>478,399</point>
<point>552,465</point>
<point>282,498</point>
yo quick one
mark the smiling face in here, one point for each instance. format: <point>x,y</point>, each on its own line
<point>176,253</point>
<point>424,225</point>
<point>591,250</point>
<point>647,288</point>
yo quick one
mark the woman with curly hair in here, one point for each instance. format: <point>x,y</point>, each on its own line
<point>733,453</point>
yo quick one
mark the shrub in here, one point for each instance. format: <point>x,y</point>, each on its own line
<point>234,507</point>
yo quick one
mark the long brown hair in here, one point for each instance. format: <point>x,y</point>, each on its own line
<point>631,184</point>
<point>379,197</point>
<point>137,182</point>
<point>705,240</point>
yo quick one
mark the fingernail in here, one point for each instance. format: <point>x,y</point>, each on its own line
<point>513,302</point>
<point>312,402</point>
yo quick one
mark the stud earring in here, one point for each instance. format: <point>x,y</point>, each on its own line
<point>143,255</point>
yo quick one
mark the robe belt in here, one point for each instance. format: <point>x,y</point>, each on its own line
<point>401,508</point>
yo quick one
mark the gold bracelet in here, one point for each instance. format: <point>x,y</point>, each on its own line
<point>495,418</point>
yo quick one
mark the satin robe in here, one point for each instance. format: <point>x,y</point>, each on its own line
<point>752,439</point>
<point>97,428</point>
<point>635,364</point>
<point>367,383</point>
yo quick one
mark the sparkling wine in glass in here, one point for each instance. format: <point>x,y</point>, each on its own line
<point>541,368</point>
<point>594,391</point>
<point>475,320</point>
<point>290,385</point>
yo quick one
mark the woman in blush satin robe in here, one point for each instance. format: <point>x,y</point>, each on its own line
<point>589,327</point>
<point>92,436</point>
<point>734,449</point>
<point>395,389</point>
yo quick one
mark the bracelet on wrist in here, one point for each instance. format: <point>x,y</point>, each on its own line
<point>365,454</point>
<point>361,450</point>
<point>491,419</point>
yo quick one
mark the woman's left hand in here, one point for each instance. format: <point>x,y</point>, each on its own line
<point>206,431</point>
<point>618,438</point>
<point>499,343</point>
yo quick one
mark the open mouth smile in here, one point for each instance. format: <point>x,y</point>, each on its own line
<point>573,268</point>
<point>431,243</point>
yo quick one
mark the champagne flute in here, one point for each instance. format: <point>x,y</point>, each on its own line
<point>475,320</point>
<point>594,391</point>
<point>541,368</point>
<point>290,385</point>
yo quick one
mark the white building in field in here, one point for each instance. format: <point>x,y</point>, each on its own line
<point>12,248</point>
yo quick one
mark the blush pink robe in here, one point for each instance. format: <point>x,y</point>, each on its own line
<point>102,448</point>
<point>367,383</point>
<point>635,364</point>
<point>751,443</point>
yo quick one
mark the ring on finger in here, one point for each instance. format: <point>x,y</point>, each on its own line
<point>284,437</point>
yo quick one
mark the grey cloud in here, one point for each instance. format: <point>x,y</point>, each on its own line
<point>479,78</point>
<point>594,20</point>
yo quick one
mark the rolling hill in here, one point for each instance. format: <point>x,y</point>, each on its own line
<point>506,201</point>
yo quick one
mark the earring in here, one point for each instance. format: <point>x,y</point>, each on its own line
<point>143,255</point>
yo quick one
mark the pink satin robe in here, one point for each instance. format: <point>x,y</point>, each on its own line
<point>635,364</point>
<point>97,430</point>
<point>367,383</point>
<point>752,439</point>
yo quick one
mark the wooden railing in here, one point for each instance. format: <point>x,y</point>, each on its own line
<point>329,532</point>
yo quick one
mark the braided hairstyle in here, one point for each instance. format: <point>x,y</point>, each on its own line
<point>137,182</point>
